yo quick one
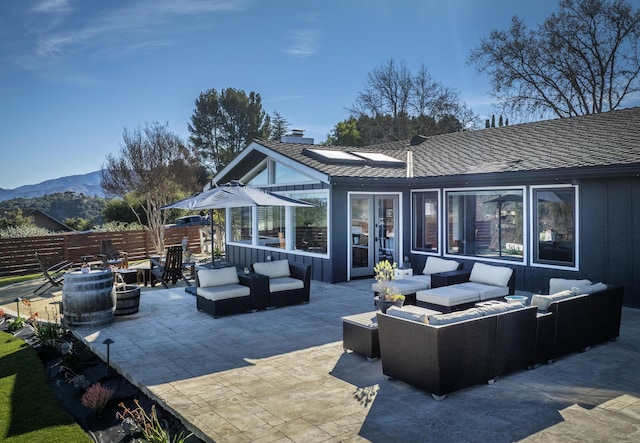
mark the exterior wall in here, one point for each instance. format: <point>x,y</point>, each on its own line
<point>609,247</point>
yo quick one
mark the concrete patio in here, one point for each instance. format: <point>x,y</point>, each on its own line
<point>282,376</point>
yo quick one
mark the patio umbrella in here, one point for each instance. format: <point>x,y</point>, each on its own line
<point>235,194</point>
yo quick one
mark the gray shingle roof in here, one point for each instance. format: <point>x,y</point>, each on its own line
<point>599,140</point>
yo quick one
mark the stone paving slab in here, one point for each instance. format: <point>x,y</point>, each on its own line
<point>282,376</point>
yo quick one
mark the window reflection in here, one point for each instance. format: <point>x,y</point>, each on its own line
<point>486,223</point>
<point>554,220</point>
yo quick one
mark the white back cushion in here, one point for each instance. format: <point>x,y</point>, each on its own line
<point>490,275</point>
<point>562,284</point>
<point>434,265</point>
<point>217,277</point>
<point>273,269</point>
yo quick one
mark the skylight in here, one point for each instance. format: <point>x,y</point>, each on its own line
<point>377,157</point>
<point>334,156</point>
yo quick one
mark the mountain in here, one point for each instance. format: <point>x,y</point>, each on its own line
<point>87,184</point>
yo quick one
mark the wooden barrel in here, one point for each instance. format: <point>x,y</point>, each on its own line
<point>127,299</point>
<point>88,299</point>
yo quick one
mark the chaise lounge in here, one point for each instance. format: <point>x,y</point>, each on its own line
<point>485,282</point>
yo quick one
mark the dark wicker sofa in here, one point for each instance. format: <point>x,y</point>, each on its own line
<point>289,282</point>
<point>575,323</point>
<point>444,358</point>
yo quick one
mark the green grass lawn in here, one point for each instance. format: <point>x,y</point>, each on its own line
<point>29,412</point>
<point>5,281</point>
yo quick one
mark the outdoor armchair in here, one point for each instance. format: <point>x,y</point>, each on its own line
<point>53,275</point>
<point>110,256</point>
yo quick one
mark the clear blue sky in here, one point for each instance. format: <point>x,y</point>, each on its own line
<point>75,73</point>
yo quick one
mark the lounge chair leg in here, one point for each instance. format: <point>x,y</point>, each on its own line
<point>439,397</point>
<point>490,382</point>
<point>372,359</point>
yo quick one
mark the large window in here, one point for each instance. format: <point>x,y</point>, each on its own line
<point>486,223</point>
<point>293,228</point>
<point>272,226</point>
<point>425,221</point>
<point>241,224</point>
<point>554,225</point>
<point>310,224</point>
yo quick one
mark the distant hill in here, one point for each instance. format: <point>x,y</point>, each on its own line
<point>87,184</point>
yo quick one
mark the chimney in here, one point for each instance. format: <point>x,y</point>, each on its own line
<point>409,164</point>
<point>297,136</point>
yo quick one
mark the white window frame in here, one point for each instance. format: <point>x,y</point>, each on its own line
<point>525,220</point>
<point>440,231</point>
<point>532,224</point>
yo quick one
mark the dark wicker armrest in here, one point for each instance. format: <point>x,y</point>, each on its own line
<point>448,278</point>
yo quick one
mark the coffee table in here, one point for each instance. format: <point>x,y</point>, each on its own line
<point>360,334</point>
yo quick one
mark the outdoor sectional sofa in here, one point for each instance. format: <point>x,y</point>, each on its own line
<point>289,282</point>
<point>446,352</point>
<point>485,282</point>
<point>456,350</point>
<point>577,315</point>
<point>408,286</point>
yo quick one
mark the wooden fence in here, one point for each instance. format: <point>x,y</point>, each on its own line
<point>17,255</point>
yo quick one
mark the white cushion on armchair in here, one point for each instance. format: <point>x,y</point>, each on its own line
<point>217,277</point>
<point>434,265</point>
<point>273,269</point>
<point>490,275</point>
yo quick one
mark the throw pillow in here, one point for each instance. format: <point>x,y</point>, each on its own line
<point>590,289</point>
<point>434,265</point>
<point>490,275</point>
<point>396,311</point>
<point>454,317</point>
<point>543,301</point>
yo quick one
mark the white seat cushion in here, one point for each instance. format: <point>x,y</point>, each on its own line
<point>490,275</point>
<point>223,292</point>
<point>409,285</point>
<point>284,284</point>
<point>273,269</point>
<point>434,265</point>
<point>448,296</point>
<point>217,277</point>
<point>486,291</point>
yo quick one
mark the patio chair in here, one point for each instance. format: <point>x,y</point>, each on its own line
<point>110,256</point>
<point>53,275</point>
<point>170,270</point>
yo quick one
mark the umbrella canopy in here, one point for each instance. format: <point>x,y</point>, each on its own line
<point>234,195</point>
<point>190,202</point>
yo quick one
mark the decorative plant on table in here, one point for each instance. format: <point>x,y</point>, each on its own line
<point>388,295</point>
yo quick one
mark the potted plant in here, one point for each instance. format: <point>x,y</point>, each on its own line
<point>387,293</point>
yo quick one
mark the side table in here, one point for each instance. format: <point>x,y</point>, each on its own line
<point>360,334</point>
<point>449,278</point>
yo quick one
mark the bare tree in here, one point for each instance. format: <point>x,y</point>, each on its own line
<point>154,166</point>
<point>582,60</point>
<point>396,105</point>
